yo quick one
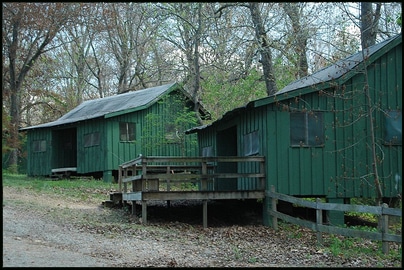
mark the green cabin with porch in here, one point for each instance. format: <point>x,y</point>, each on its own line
<point>316,133</point>
<point>98,135</point>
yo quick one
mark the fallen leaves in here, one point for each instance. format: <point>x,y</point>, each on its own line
<point>175,237</point>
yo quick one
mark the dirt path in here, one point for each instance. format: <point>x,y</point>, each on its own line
<point>29,241</point>
<point>39,231</point>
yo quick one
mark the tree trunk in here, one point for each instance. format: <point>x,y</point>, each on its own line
<point>266,55</point>
<point>15,120</point>
<point>368,38</point>
<point>17,39</point>
<point>369,24</point>
<point>292,10</point>
<point>195,94</point>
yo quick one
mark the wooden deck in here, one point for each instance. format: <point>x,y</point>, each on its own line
<point>187,178</point>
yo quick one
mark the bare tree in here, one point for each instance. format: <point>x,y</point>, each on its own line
<point>189,23</point>
<point>264,43</point>
<point>301,36</point>
<point>28,30</point>
<point>230,71</point>
<point>129,33</point>
<point>369,23</point>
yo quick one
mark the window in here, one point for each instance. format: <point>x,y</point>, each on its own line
<point>39,146</point>
<point>251,144</point>
<point>306,129</point>
<point>393,128</point>
<point>172,134</point>
<point>207,151</point>
<point>91,139</point>
<point>127,132</point>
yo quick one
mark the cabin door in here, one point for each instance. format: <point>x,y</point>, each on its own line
<point>227,146</point>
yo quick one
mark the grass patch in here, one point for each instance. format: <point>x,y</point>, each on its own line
<point>347,247</point>
<point>83,189</point>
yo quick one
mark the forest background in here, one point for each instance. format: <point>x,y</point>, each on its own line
<point>57,55</point>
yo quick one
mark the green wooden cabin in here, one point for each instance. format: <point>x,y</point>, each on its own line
<point>315,133</point>
<point>99,135</point>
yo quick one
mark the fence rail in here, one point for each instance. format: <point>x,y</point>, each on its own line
<point>383,211</point>
<point>148,170</point>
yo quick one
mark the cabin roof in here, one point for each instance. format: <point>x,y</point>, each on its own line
<point>339,72</point>
<point>113,105</point>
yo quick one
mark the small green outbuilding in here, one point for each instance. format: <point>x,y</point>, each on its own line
<point>99,135</point>
<point>316,133</point>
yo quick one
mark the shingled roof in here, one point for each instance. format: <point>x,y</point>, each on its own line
<point>113,105</point>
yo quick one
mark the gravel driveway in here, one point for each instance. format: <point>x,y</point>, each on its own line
<point>37,232</point>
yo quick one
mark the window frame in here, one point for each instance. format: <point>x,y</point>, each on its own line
<point>127,133</point>
<point>207,151</point>
<point>91,139</point>
<point>39,146</point>
<point>172,135</point>
<point>392,128</point>
<point>312,132</point>
<point>251,143</point>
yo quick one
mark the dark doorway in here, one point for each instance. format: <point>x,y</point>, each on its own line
<point>227,146</point>
<point>64,148</point>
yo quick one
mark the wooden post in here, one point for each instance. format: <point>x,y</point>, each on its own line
<point>384,229</point>
<point>168,184</point>
<point>120,179</point>
<point>262,170</point>
<point>133,182</point>
<point>134,208</point>
<point>204,184</point>
<point>144,178</point>
<point>319,220</point>
<point>125,184</point>
<point>205,214</point>
<point>273,205</point>
<point>144,212</point>
<point>168,178</point>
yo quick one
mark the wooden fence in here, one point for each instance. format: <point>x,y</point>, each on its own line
<point>383,211</point>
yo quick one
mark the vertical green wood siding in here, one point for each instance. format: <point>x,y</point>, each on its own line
<point>91,159</point>
<point>342,168</point>
<point>118,152</point>
<point>254,121</point>
<point>39,163</point>
<point>190,147</point>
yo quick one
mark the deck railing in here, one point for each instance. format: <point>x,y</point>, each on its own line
<point>150,173</point>
<point>153,178</point>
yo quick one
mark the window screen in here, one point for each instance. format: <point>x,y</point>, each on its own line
<point>306,129</point>
<point>393,128</point>
<point>251,143</point>
<point>172,135</point>
<point>127,132</point>
<point>91,139</point>
<point>207,151</point>
<point>39,146</point>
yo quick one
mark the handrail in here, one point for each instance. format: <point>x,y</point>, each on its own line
<point>203,168</point>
